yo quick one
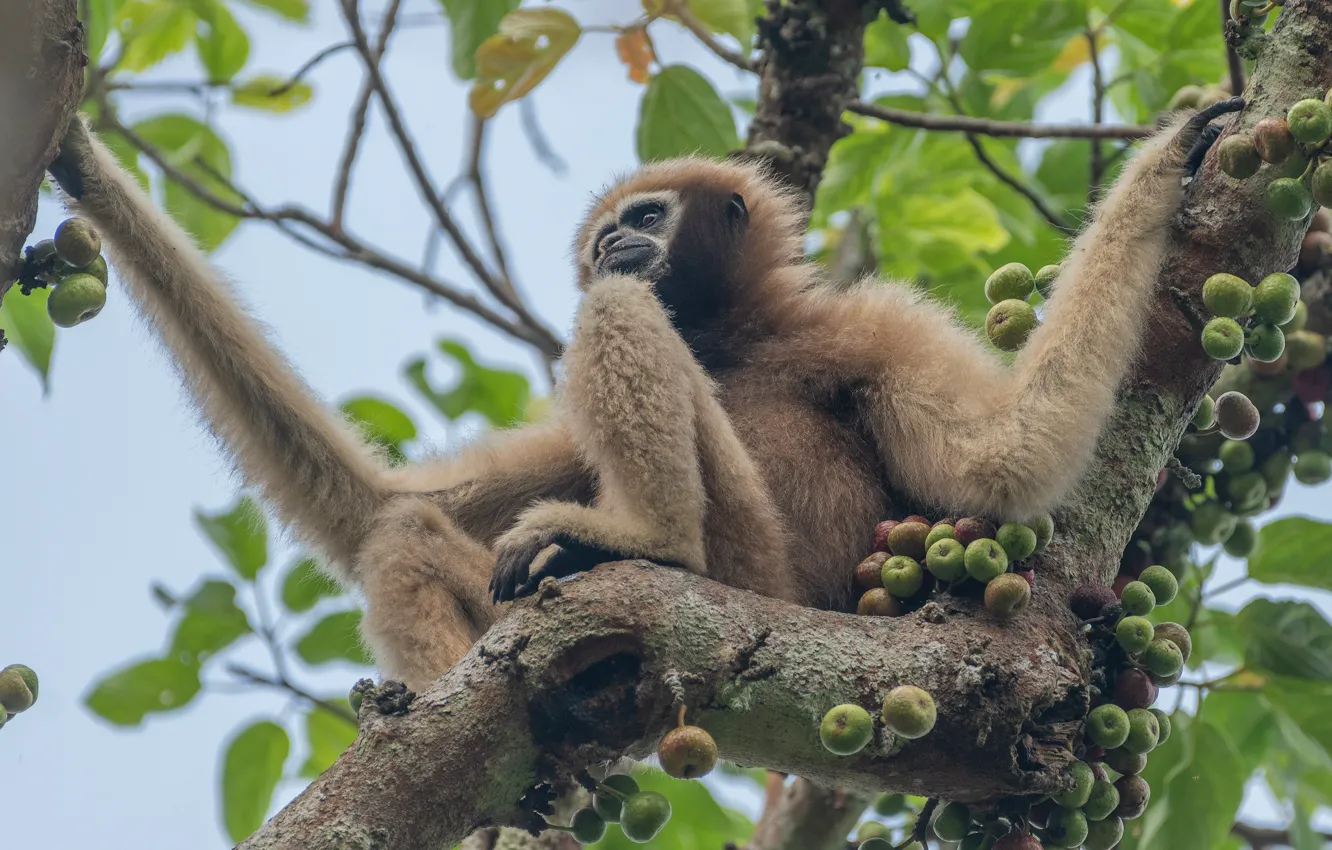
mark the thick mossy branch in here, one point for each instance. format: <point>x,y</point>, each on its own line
<point>41,84</point>
<point>1224,226</point>
<point>599,670</point>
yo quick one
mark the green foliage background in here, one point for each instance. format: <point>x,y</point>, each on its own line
<point>937,218</point>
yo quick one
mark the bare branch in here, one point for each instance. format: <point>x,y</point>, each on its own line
<point>680,9</point>
<point>1055,219</point>
<point>283,684</point>
<point>1098,116</point>
<point>1234,64</point>
<point>1261,838</point>
<point>807,816</point>
<point>359,113</point>
<point>476,177</point>
<point>1003,129</point>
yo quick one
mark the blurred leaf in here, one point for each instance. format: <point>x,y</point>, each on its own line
<point>337,637</point>
<point>200,154</point>
<point>886,45</point>
<point>381,423</point>
<point>250,772</point>
<point>159,684</point>
<point>1020,36</point>
<point>223,46</point>
<point>1065,173</point>
<point>1201,796</point>
<point>292,10</point>
<point>1294,550</point>
<point>498,395</point>
<point>697,821</point>
<point>732,17</point>
<point>1287,639</point>
<point>327,736</point>
<point>528,46</point>
<point>1303,704</point>
<point>211,622</point>
<point>126,154</point>
<point>151,30</point>
<point>271,93</point>
<point>306,584</point>
<point>635,51</point>
<point>681,113</point>
<point>240,534</point>
<point>471,22</point>
<point>98,20</point>
<point>30,330</point>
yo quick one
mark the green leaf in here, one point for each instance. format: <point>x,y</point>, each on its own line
<point>128,695</point>
<point>337,637</point>
<point>251,770</point>
<point>498,395</point>
<point>328,736</point>
<point>697,821</point>
<point>29,329</point>
<point>1308,724</point>
<point>681,113</point>
<point>1021,37</point>
<point>526,48</point>
<point>151,30</point>
<point>731,17</point>
<point>212,621</point>
<point>381,423</point>
<point>240,535</point>
<point>271,93</point>
<point>223,46</point>
<point>470,23</point>
<point>1287,639</point>
<point>306,584</point>
<point>886,45</point>
<point>292,10</point>
<point>200,154</point>
<point>1294,550</point>
<point>98,20</point>
<point>1201,796</point>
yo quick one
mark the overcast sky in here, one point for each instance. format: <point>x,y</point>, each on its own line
<point>102,476</point>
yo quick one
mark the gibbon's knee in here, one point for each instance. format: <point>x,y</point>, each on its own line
<point>424,582</point>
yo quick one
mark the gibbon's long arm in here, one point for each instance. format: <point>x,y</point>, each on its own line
<point>966,433</point>
<point>310,466</point>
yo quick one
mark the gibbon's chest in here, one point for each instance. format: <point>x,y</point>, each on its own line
<point>821,469</point>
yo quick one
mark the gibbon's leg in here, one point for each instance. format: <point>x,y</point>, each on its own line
<point>667,462</point>
<point>968,435</point>
<point>312,468</point>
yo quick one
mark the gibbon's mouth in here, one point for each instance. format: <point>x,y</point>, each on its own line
<point>633,253</point>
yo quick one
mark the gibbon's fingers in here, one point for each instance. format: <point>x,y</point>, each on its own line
<point>311,467</point>
<point>1198,134</point>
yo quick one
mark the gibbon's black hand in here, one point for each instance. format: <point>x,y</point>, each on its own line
<point>513,577</point>
<point>1200,134</point>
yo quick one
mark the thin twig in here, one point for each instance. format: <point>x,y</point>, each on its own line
<point>680,9</point>
<point>1233,61</point>
<point>1261,837</point>
<point>1098,118</point>
<point>1055,219</point>
<point>922,829</point>
<point>283,684</point>
<point>476,177</point>
<point>312,63</point>
<point>426,187</point>
<point>342,186</point>
<point>536,137</point>
<point>1002,129</point>
<point>1228,586</point>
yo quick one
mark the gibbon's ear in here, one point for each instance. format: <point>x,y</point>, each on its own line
<point>736,211</point>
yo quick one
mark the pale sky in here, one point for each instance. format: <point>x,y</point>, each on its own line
<point>103,475</point>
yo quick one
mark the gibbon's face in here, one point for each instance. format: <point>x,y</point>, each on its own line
<point>684,226</point>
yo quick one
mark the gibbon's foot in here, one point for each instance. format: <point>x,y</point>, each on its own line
<point>514,577</point>
<point>1199,134</point>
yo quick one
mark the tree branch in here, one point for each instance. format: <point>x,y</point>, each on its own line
<point>1260,838</point>
<point>41,64</point>
<point>360,111</point>
<point>680,9</point>
<point>808,817</point>
<point>1003,129</point>
<point>597,671</point>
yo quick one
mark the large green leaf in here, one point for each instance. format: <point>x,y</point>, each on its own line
<point>128,695</point>
<point>1304,705</point>
<point>251,770</point>
<point>732,17</point>
<point>211,622</point>
<point>199,153</point>
<point>1021,37</point>
<point>29,329</point>
<point>223,46</point>
<point>306,584</point>
<point>292,10</point>
<point>886,45</point>
<point>152,30</point>
<point>381,423</point>
<point>1197,804</point>
<point>1287,639</point>
<point>697,821</point>
<point>271,94</point>
<point>497,394</point>
<point>681,113</point>
<point>470,23</point>
<point>1294,550</point>
<point>98,20</point>
<point>337,637</point>
<point>327,736</point>
<point>240,535</point>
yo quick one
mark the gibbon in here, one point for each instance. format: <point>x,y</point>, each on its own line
<point>720,411</point>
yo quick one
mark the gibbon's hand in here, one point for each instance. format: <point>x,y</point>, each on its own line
<point>1199,134</point>
<point>515,555</point>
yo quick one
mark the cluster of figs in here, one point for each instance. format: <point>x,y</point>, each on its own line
<point>72,266</point>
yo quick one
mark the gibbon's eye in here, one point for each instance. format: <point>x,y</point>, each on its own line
<point>644,216</point>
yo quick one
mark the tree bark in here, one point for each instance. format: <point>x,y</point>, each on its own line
<point>41,66</point>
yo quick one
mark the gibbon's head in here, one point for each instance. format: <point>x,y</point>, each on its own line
<point>701,231</point>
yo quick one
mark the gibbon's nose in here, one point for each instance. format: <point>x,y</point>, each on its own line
<point>626,253</point>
